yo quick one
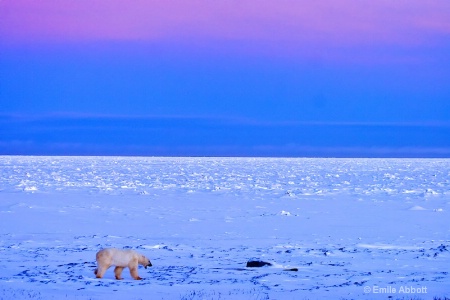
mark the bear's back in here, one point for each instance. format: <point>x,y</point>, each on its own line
<point>121,258</point>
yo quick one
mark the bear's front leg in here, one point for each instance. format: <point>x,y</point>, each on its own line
<point>118,272</point>
<point>134,273</point>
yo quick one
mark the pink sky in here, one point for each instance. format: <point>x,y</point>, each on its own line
<point>335,23</point>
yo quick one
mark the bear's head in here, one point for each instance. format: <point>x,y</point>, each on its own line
<point>145,261</point>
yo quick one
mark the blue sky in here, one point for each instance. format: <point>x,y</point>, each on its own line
<point>324,86</point>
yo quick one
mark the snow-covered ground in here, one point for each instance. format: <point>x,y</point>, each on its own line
<point>354,228</point>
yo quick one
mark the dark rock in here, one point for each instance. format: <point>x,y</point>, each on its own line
<point>257,264</point>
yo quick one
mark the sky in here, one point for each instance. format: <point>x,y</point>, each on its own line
<point>349,78</point>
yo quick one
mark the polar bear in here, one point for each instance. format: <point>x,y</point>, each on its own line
<point>121,259</point>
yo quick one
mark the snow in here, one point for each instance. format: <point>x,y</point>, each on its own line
<point>348,225</point>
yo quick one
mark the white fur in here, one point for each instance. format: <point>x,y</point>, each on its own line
<point>121,259</point>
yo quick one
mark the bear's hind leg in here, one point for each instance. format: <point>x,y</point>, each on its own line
<point>118,272</point>
<point>100,271</point>
<point>134,273</point>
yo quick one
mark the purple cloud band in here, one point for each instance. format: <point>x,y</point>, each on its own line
<point>288,22</point>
